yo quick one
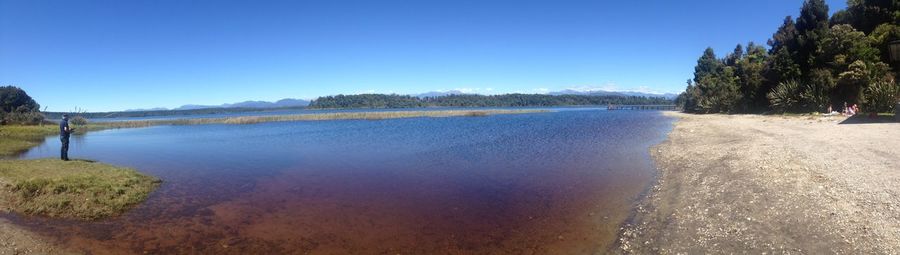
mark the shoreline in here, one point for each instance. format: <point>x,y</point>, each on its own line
<point>770,184</point>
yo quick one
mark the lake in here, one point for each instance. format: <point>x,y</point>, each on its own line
<point>543,183</point>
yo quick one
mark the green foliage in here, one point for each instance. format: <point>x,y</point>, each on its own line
<point>813,15</point>
<point>844,45</point>
<point>817,92</point>
<point>716,86</point>
<point>366,101</point>
<point>840,17</point>
<point>15,99</point>
<point>719,92</point>
<point>785,96</point>
<point>506,100</point>
<point>859,75</point>
<point>882,96</point>
<point>813,62</point>
<point>23,118</point>
<point>883,35</point>
<point>15,139</point>
<point>688,99</point>
<point>78,120</point>
<point>71,189</point>
<point>750,70</point>
<point>708,65</point>
<point>782,66</point>
<point>16,107</point>
<point>866,15</point>
<point>785,37</point>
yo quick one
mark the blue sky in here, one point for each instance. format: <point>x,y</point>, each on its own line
<point>116,55</point>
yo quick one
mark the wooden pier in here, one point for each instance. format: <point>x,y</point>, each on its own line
<point>642,107</point>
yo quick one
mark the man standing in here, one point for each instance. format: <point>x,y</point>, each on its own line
<point>64,132</point>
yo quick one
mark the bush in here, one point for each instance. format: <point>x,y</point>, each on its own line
<point>881,96</point>
<point>14,99</point>
<point>78,120</point>
<point>816,95</point>
<point>785,96</point>
<point>23,118</point>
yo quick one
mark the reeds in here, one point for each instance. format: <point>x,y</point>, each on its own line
<point>310,117</point>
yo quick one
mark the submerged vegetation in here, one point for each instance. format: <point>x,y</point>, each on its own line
<point>71,189</point>
<point>813,62</point>
<point>469,100</point>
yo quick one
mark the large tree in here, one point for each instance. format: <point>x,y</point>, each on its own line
<point>812,62</point>
<point>866,15</point>
<point>716,85</point>
<point>812,27</point>
<point>750,70</point>
<point>14,99</point>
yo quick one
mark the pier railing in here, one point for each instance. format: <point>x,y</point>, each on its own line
<point>642,107</point>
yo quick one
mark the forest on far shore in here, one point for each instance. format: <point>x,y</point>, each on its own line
<point>471,100</point>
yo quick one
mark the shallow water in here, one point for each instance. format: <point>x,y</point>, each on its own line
<point>543,183</point>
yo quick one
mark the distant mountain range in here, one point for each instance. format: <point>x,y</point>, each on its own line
<point>287,102</point>
<point>441,93</point>
<point>669,96</point>
<point>613,93</point>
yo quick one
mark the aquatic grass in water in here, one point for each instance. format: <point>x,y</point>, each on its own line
<point>318,116</point>
<point>18,138</point>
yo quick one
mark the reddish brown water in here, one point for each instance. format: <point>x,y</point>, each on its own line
<point>549,183</point>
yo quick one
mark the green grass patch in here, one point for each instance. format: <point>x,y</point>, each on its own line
<point>16,139</point>
<point>71,189</point>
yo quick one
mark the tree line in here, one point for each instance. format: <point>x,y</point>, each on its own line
<point>469,100</point>
<point>813,63</point>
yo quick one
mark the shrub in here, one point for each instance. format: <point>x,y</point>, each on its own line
<point>816,94</point>
<point>881,96</point>
<point>23,118</point>
<point>785,96</point>
<point>14,99</point>
<point>78,120</point>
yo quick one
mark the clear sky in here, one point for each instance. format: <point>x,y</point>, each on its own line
<point>116,55</point>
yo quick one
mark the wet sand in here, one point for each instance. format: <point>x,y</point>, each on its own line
<point>771,184</point>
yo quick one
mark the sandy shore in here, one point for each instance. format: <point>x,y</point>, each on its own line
<point>771,184</point>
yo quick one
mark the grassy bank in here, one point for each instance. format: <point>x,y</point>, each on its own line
<point>71,189</point>
<point>16,139</point>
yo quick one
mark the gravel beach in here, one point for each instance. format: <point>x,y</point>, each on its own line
<point>771,184</point>
<point>16,240</point>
